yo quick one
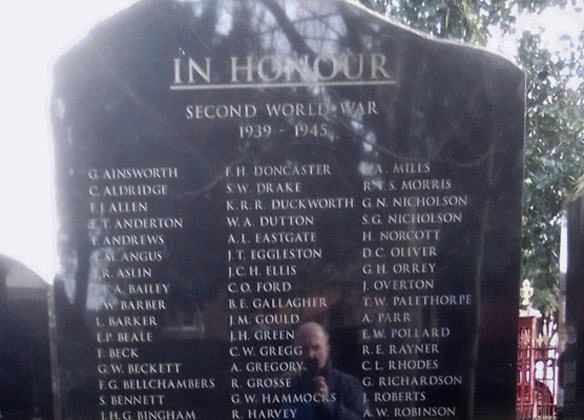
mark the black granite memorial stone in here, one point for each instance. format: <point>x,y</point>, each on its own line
<point>571,364</point>
<point>25,362</point>
<point>285,210</point>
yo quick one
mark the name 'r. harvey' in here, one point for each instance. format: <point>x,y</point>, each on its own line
<point>283,69</point>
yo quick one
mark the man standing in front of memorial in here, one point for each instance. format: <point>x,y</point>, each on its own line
<point>335,395</point>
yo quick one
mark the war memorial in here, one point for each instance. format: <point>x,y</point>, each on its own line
<point>289,209</point>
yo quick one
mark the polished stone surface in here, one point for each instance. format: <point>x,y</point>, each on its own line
<point>219,160</point>
<point>25,364</point>
<point>571,360</point>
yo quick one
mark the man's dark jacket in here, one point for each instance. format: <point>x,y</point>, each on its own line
<point>345,389</point>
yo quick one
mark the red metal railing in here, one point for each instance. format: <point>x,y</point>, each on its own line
<point>537,374</point>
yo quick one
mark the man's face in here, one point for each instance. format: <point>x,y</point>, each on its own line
<point>314,343</point>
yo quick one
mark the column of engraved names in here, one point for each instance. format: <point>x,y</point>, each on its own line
<point>272,234</point>
<point>132,236</point>
<point>405,210</point>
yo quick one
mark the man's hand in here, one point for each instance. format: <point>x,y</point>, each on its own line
<point>320,387</point>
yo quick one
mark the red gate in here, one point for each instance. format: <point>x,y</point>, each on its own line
<point>537,374</point>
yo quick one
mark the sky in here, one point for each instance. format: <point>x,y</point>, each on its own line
<point>554,23</point>
<point>31,39</point>
<point>32,36</point>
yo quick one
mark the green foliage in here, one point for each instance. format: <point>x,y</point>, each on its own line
<point>377,5</point>
<point>444,19</point>
<point>553,156</point>
<point>464,20</point>
<point>554,147</point>
<point>580,185</point>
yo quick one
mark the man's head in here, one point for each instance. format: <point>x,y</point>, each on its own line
<point>313,339</point>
